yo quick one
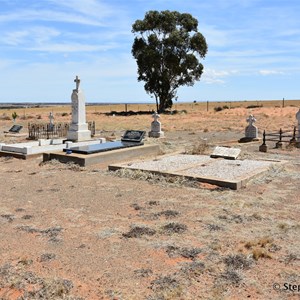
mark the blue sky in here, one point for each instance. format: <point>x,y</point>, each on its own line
<point>253,49</point>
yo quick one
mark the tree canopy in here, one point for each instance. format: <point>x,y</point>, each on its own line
<point>167,48</point>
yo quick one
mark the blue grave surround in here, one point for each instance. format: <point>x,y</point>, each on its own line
<point>131,138</point>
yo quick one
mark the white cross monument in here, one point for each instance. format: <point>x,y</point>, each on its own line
<point>78,130</point>
<point>156,127</point>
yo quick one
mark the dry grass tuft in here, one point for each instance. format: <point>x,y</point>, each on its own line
<point>173,228</point>
<point>138,232</point>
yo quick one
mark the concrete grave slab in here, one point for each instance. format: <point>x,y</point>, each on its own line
<point>36,148</point>
<point>226,152</point>
<point>221,172</point>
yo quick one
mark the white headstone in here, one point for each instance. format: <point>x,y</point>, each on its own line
<point>78,130</point>
<point>251,130</point>
<point>156,127</point>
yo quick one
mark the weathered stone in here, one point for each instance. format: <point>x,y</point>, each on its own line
<point>225,152</point>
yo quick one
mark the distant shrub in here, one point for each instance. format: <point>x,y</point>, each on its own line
<point>39,117</point>
<point>64,114</point>
<point>254,106</point>
<point>219,108</point>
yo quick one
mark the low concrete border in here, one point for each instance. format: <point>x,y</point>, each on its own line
<point>104,158</point>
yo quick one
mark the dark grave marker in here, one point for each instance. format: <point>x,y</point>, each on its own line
<point>15,129</point>
<point>131,138</point>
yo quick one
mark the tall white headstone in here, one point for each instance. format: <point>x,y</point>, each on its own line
<point>78,130</point>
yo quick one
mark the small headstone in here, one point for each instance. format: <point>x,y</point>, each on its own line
<point>51,122</point>
<point>156,131</point>
<point>224,152</point>
<point>15,129</point>
<point>251,131</point>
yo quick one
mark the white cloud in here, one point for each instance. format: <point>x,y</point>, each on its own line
<point>30,34</point>
<point>48,15</point>
<point>71,47</point>
<point>212,76</point>
<point>270,72</point>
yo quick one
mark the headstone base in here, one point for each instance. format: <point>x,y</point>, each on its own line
<point>248,140</point>
<point>154,134</point>
<point>79,136</point>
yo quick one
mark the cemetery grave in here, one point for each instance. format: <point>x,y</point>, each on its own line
<point>222,172</point>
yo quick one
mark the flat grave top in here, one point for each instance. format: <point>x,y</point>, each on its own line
<point>227,173</point>
<point>225,152</point>
<point>133,136</point>
<point>96,148</point>
<point>15,128</point>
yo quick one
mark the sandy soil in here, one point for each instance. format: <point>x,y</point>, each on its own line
<point>84,233</point>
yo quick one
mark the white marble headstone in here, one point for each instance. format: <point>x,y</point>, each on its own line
<point>156,131</point>
<point>78,130</point>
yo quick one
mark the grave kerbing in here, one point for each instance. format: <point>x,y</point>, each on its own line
<point>78,130</point>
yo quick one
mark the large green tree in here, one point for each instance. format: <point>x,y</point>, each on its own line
<point>168,48</point>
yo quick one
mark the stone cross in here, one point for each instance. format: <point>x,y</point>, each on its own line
<point>251,131</point>
<point>155,116</point>
<point>51,118</point>
<point>77,81</point>
<point>156,127</point>
<point>251,120</point>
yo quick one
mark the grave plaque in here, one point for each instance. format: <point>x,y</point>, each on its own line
<point>131,138</point>
<point>15,129</point>
<point>224,152</point>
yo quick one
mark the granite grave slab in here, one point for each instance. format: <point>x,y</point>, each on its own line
<point>131,138</point>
